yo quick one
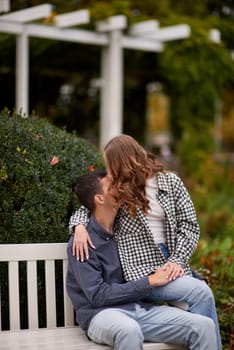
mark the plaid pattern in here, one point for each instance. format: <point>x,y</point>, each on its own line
<point>138,253</point>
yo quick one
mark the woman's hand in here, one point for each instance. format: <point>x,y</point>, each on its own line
<point>174,270</point>
<point>81,242</point>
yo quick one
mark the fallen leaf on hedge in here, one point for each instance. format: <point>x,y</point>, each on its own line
<point>90,168</point>
<point>54,160</point>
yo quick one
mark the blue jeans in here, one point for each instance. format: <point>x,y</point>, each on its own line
<point>124,329</point>
<point>193,291</point>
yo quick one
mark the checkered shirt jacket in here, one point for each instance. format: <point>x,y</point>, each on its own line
<point>138,253</point>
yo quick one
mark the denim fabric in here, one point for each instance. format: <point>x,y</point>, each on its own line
<point>164,250</point>
<point>124,329</point>
<point>193,291</point>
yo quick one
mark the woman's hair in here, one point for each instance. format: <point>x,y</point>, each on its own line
<point>130,165</point>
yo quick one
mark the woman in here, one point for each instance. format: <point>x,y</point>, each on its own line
<point>157,226</point>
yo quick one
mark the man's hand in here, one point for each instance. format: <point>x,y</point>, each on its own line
<point>159,277</point>
<point>174,270</point>
<point>81,242</point>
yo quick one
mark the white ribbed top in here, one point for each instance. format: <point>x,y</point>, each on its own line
<point>155,215</point>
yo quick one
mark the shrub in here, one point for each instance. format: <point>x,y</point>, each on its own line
<point>216,258</point>
<point>39,163</point>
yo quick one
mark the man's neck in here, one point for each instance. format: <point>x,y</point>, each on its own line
<point>105,219</point>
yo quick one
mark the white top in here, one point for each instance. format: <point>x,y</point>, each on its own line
<point>155,215</point>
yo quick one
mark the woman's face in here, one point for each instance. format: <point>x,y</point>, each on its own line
<point>106,163</point>
<point>107,192</point>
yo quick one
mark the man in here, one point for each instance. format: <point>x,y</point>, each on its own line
<point>113,311</point>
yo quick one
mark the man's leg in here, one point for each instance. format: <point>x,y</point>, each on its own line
<point>115,328</point>
<point>172,325</point>
<point>195,293</point>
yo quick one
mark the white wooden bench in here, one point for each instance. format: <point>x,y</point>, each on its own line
<point>20,266</point>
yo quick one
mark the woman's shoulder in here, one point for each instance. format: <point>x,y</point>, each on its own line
<point>170,181</point>
<point>168,176</point>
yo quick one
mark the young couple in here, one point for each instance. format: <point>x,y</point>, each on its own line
<point>155,230</point>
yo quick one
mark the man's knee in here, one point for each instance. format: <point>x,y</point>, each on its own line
<point>129,336</point>
<point>131,330</point>
<point>115,328</point>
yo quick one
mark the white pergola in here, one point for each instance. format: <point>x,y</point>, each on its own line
<point>109,35</point>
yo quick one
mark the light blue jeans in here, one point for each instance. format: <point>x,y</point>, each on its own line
<point>193,291</point>
<point>127,330</point>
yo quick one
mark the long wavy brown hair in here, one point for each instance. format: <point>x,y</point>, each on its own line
<point>130,165</point>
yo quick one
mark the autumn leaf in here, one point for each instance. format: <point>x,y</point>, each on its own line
<point>91,168</point>
<point>54,160</point>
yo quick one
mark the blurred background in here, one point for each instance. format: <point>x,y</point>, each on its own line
<point>178,103</point>
<point>191,78</point>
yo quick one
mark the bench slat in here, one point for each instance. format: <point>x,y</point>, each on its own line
<point>14,309</point>
<point>32,251</point>
<point>32,294</point>
<point>50,294</point>
<point>61,339</point>
<point>68,308</point>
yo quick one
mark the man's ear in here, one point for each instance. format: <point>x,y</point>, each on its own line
<point>98,199</point>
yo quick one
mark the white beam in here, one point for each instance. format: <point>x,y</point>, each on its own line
<point>29,14</point>
<point>144,27</point>
<point>72,18</point>
<point>10,27</point>
<point>143,44</point>
<point>71,35</point>
<point>112,23</point>
<point>180,31</point>
<point>49,32</point>
<point>79,36</point>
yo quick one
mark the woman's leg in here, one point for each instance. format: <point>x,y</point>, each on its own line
<point>172,325</point>
<point>194,292</point>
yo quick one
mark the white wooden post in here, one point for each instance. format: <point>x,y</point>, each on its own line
<point>22,51</point>
<point>111,91</point>
<point>112,74</point>
<point>4,5</point>
<point>22,73</point>
<point>104,105</point>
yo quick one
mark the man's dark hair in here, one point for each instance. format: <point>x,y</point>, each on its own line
<point>87,186</point>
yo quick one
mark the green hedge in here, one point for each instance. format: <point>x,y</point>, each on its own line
<point>36,198</point>
<point>213,258</point>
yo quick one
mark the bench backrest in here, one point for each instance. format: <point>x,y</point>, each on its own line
<point>29,255</point>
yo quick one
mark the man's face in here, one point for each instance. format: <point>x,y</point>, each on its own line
<point>108,198</point>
